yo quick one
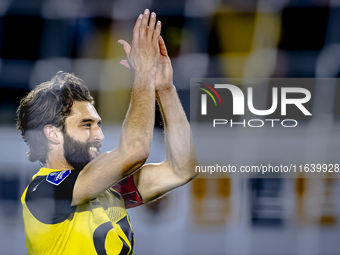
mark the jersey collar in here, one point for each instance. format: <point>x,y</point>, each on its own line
<point>45,171</point>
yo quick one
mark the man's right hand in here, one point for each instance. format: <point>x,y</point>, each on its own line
<point>143,56</point>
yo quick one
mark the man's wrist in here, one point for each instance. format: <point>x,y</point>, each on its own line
<point>145,71</point>
<point>146,77</point>
<point>166,90</point>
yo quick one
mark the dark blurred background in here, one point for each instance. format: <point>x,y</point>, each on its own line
<point>216,38</point>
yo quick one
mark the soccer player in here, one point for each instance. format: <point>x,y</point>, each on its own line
<point>77,203</point>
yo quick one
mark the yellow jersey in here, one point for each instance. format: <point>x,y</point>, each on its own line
<point>99,226</point>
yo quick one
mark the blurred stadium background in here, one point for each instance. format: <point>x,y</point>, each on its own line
<point>216,38</point>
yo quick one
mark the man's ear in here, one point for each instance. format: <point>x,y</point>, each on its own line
<point>52,133</point>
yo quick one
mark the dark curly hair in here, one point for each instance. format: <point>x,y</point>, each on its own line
<point>48,103</point>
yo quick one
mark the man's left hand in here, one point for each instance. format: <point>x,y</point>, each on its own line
<point>164,73</point>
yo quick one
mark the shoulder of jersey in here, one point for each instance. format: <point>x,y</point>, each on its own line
<point>56,178</point>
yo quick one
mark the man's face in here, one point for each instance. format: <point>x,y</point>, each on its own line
<point>82,135</point>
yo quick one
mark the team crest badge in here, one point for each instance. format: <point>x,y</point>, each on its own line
<point>58,177</point>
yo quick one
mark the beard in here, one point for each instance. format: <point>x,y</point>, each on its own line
<point>77,153</point>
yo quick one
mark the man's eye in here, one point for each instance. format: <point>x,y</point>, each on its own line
<point>87,125</point>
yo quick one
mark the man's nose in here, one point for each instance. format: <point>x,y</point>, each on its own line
<point>98,134</point>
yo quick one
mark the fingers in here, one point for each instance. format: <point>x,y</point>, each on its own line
<point>125,63</point>
<point>127,49</point>
<point>151,28</point>
<point>137,26</point>
<point>157,32</point>
<point>144,24</point>
<point>162,48</point>
<point>126,46</point>
<point>148,31</point>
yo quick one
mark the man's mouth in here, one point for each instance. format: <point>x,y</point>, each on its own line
<point>94,149</point>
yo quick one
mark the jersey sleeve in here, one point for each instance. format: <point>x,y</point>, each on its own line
<point>49,198</point>
<point>129,192</point>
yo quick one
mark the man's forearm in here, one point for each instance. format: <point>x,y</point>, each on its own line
<point>143,58</point>
<point>138,125</point>
<point>180,154</point>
